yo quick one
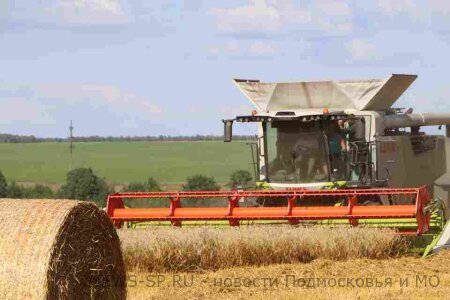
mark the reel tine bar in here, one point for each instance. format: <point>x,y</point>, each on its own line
<point>302,205</point>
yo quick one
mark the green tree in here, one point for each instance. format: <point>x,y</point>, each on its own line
<point>153,185</point>
<point>38,191</point>
<point>150,186</point>
<point>83,184</point>
<point>240,178</point>
<point>135,187</point>
<point>15,191</point>
<point>200,183</point>
<point>3,186</point>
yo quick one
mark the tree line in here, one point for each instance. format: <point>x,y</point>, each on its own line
<point>84,184</point>
<point>13,138</point>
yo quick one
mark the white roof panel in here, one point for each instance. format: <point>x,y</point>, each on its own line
<point>372,94</point>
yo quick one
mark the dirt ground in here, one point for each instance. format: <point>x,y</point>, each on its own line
<point>402,278</point>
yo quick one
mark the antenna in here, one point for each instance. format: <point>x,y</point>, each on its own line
<point>71,144</point>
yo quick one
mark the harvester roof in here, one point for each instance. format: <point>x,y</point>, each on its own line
<point>372,94</point>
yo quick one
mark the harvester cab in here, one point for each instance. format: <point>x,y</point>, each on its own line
<point>328,152</point>
<point>342,134</point>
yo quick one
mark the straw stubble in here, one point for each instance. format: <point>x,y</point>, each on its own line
<point>201,249</point>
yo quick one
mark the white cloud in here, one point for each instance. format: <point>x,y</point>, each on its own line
<point>89,11</point>
<point>362,50</point>
<point>328,17</point>
<point>413,7</point>
<point>243,48</point>
<point>257,15</point>
<point>334,8</point>
<point>261,48</point>
<point>18,109</point>
<point>440,6</point>
<point>96,95</point>
<point>194,109</point>
<point>423,12</point>
<point>232,47</point>
<point>129,124</point>
<point>392,8</point>
<point>96,108</point>
<point>224,111</point>
<point>233,111</point>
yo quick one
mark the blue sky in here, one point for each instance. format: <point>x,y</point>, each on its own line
<point>139,67</point>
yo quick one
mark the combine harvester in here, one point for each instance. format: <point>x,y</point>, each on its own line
<point>328,152</point>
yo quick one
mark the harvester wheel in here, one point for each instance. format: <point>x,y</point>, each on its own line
<point>370,201</point>
<point>271,201</point>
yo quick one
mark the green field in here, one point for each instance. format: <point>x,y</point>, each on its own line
<point>123,162</point>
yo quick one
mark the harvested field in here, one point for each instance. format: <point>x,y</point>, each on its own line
<point>58,249</point>
<point>200,249</point>
<point>400,278</point>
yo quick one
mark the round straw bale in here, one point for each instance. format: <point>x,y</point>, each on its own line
<point>58,249</point>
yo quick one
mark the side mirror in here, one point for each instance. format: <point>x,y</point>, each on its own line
<point>360,129</point>
<point>228,130</point>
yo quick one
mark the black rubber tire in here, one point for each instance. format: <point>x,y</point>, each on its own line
<point>370,201</point>
<point>272,201</point>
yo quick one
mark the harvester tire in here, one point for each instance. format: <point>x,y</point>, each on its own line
<point>271,201</point>
<point>370,201</point>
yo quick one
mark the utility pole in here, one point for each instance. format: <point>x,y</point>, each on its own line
<point>71,144</point>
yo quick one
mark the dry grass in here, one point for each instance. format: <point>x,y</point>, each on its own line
<point>58,249</point>
<point>397,270</point>
<point>204,248</point>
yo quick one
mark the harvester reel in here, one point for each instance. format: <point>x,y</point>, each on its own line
<point>299,205</point>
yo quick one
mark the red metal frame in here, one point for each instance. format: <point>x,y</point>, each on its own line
<point>293,213</point>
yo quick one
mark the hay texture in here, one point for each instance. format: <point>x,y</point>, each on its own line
<point>58,249</point>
